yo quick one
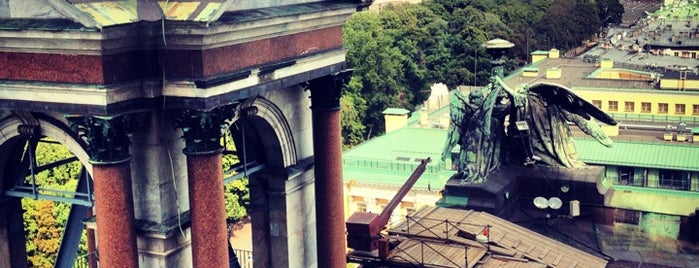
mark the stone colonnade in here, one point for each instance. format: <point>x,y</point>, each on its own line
<point>108,147</point>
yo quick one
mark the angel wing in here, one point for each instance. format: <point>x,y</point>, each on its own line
<point>575,109</point>
<point>571,102</point>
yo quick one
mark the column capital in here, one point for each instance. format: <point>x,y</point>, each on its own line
<point>107,137</point>
<point>202,130</point>
<point>327,90</point>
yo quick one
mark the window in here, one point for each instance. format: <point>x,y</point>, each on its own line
<point>645,107</point>
<point>628,106</point>
<point>361,207</point>
<point>613,106</point>
<point>679,108</point>
<point>662,108</point>
<point>695,109</point>
<point>625,175</point>
<point>381,203</point>
<point>674,179</point>
<point>597,103</point>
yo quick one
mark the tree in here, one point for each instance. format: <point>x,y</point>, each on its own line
<point>44,234</point>
<point>236,195</point>
<point>610,11</point>
<point>44,221</point>
<point>388,52</point>
<point>352,107</point>
<point>568,23</point>
<point>399,52</point>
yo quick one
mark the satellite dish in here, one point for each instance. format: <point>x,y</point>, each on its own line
<point>555,202</point>
<point>541,202</point>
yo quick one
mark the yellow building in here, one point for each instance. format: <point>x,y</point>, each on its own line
<point>626,94</point>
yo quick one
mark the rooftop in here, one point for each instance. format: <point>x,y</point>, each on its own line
<point>676,156</point>
<point>446,237</point>
<point>398,153</point>
<point>391,158</point>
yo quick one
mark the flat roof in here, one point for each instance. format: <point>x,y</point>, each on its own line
<point>676,156</point>
<point>575,73</point>
<point>391,158</point>
<point>396,111</point>
<point>402,145</point>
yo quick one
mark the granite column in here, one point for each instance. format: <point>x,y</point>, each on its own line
<point>108,147</point>
<point>202,133</point>
<point>327,150</point>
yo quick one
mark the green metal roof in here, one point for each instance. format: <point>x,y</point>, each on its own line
<point>406,142</point>
<point>654,200</point>
<point>391,158</point>
<point>539,52</point>
<point>397,111</point>
<point>643,154</point>
<point>428,180</point>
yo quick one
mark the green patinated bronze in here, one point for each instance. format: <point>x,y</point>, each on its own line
<point>202,130</point>
<point>497,126</point>
<point>107,138</point>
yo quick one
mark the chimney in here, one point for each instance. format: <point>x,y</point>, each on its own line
<point>424,117</point>
<point>395,118</point>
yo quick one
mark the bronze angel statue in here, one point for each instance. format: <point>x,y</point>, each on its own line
<point>496,125</point>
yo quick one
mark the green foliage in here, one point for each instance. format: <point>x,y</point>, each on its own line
<point>399,52</point>
<point>352,106</point>
<point>610,11</point>
<point>42,244</point>
<point>236,193</point>
<point>44,221</point>
<point>568,23</point>
<point>388,53</point>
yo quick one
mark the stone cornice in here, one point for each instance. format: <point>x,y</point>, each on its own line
<point>232,28</point>
<point>220,33</point>
<point>73,94</point>
<point>256,76</point>
<point>123,97</point>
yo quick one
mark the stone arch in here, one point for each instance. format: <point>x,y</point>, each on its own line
<point>15,129</point>
<point>55,128</point>
<point>264,126</point>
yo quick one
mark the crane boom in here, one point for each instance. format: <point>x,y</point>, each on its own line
<point>364,228</point>
<point>386,213</point>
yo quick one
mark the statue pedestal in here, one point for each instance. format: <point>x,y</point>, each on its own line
<point>506,185</point>
<point>495,195</point>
